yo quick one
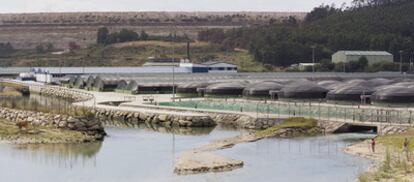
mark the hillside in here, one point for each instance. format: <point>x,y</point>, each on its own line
<point>386,25</point>
<point>131,54</point>
<point>26,31</point>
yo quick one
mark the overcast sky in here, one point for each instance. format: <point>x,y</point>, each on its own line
<point>19,6</point>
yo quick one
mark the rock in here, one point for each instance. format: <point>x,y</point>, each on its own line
<point>30,119</point>
<point>184,123</point>
<point>72,120</point>
<point>63,124</point>
<point>80,125</point>
<point>57,117</point>
<point>162,117</point>
<point>202,162</point>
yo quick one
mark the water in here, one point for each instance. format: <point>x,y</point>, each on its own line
<point>37,102</point>
<point>141,154</point>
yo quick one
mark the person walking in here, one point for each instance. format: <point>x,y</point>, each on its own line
<point>406,145</point>
<point>373,145</point>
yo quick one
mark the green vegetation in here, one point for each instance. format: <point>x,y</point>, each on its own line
<point>396,141</point>
<point>6,48</point>
<point>39,134</point>
<point>367,25</point>
<point>11,90</point>
<point>398,165</point>
<point>133,53</point>
<point>10,93</point>
<point>126,35</point>
<point>309,125</point>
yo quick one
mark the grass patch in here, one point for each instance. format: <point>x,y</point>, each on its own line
<point>39,134</point>
<point>10,94</point>
<point>13,85</point>
<point>297,122</point>
<point>397,164</point>
<point>396,141</point>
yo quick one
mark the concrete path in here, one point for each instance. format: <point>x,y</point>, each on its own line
<point>136,103</point>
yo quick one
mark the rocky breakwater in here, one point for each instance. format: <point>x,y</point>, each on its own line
<point>61,92</point>
<point>244,121</point>
<point>90,128</point>
<point>165,119</point>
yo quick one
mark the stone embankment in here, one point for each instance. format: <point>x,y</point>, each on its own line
<point>162,119</point>
<point>382,128</point>
<point>238,120</point>
<point>62,92</point>
<point>392,129</point>
<point>243,121</point>
<point>90,127</point>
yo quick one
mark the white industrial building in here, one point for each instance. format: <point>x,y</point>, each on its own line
<point>220,67</point>
<point>372,56</point>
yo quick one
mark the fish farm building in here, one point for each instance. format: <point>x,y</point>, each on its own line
<point>372,56</point>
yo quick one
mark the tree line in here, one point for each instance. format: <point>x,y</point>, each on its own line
<point>6,48</point>
<point>104,37</point>
<point>382,25</point>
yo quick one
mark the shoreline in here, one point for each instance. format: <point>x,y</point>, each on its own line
<point>389,163</point>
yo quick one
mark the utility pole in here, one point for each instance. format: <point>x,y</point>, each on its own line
<point>173,64</point>
<point>411,61</point>
<point>401,60</point>
<point>313,58</point>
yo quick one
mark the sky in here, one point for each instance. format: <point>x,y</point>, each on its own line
<point>22,6</point>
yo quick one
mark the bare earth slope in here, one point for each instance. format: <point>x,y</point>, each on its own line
<point>26,31</point>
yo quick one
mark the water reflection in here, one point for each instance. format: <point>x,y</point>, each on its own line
<point>59,155</point>
<point>144,154</point>
<point>161,129</point>
<point>311,159</point>
<point>36,102</point>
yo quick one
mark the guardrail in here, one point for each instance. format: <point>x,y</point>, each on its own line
<point>317,110</point>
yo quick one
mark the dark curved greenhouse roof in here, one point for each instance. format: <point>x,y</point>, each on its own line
<point>262,88</point>
<point>227,88</point>
<point>325,83</point>
<point>394,94</point>
<point>90,81</point>
<point>79,82</point>
<point>376,82</point>
<point>349,92</point>
<point>355,81</point>
<point>72,80</point>
<point>331,84</point>
<point>191,87</point>
<point>303,90</point>
<point>132,85</point>
<point>122,85</point>
<point>105,84</point>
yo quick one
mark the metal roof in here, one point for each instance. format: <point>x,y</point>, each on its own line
<point>366,53</point>
<point>209,63</point>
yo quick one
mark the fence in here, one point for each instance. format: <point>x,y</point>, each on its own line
<point>318,110</point>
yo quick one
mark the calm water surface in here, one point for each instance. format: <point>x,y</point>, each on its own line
<point>142,154</point>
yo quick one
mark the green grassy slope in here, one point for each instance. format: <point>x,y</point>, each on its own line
<point>131,54</point>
